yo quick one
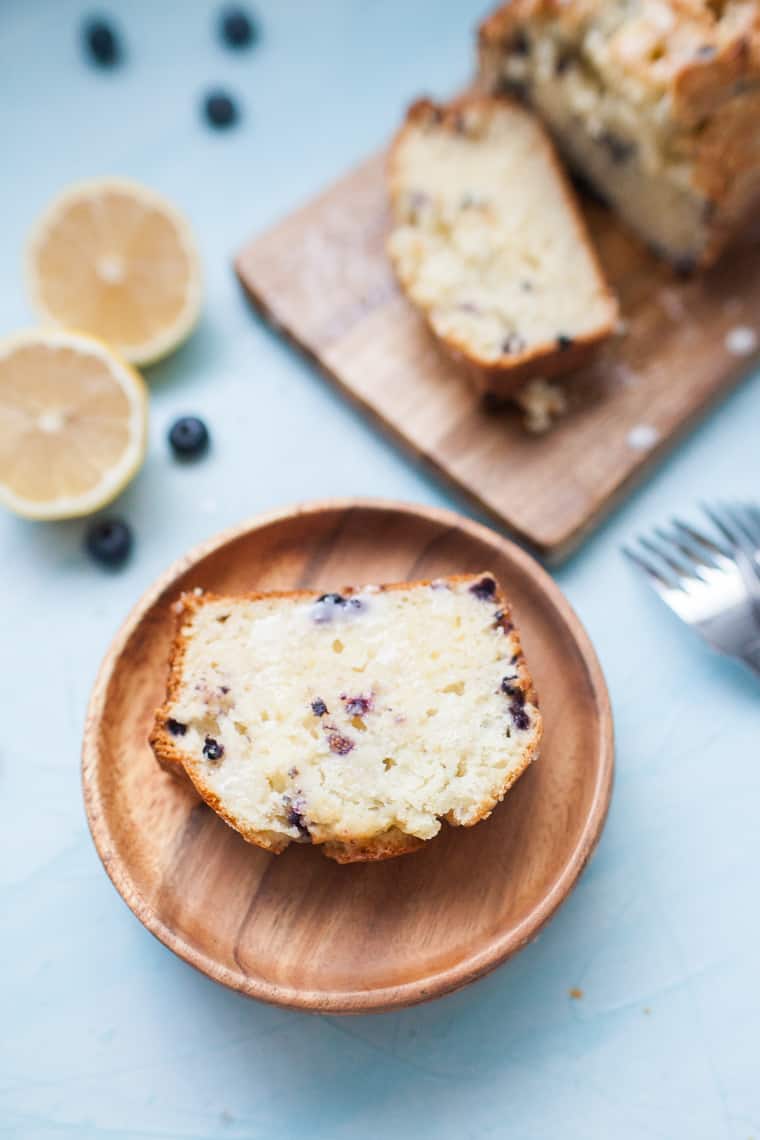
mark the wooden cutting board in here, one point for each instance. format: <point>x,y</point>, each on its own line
<point>322,278</point>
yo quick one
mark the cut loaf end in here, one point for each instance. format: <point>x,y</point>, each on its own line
<point>656,105</point>
<point>357,721</point>
<point>488,243</point>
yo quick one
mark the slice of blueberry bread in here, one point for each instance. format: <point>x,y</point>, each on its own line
<point>655,102</point>
<point>357,720</point>
<point>487,241</point>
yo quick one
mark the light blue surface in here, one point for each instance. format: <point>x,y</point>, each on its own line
<point>103,1033</point>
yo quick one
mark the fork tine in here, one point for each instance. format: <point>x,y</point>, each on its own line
<point>656,578</point>
<point>750,528</point>
<point>753,512</point>
<point>710,580</point>
<point>701,547</point>
<point>689,563</point>
<point>719,518</point>
<point>729,519</point>
<point>665,555</point>
<point>700,561</point>
<point>747,550</point>
<point>675,596</point>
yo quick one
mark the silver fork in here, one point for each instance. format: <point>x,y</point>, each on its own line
<point>713,584</point>
<point>739,523</point>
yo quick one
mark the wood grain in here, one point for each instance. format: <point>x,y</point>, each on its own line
<point>298,929</point>
<point>322,277</point>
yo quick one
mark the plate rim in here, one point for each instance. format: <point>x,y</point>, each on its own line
<point>447,980</point>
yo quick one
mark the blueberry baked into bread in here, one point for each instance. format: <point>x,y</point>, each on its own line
<point>357,721</point>
<point>488,243</point>
<point>655,102</point>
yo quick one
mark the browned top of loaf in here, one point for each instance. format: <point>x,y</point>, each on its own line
<point>698,53</point>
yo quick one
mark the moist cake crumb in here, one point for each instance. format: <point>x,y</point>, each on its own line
<point>425,714</point>
<point>486,260</point>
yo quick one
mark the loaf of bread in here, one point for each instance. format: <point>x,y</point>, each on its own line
<point>488,243</point>
<point>656,103</point>
<point>357,721</point>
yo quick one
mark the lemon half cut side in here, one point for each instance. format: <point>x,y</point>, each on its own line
<point>73,424</point>
<point>114,259</point>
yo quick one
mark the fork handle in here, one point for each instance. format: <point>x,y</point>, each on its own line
<point>751,656</point>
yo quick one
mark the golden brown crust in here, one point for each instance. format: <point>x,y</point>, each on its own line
<point>502,378</point>
<point>348,849</point>
<point>693,51</point>
<point>698,60</point>
<point>373,850</point>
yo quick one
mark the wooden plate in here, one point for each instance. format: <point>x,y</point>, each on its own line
<point>298,929</point>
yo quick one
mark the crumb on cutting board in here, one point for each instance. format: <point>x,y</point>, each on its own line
<point>542,403</point>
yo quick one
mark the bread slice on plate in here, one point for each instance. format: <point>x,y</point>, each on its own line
<point>488,243</point>
<point>657,104</point>
<point>356,720</point>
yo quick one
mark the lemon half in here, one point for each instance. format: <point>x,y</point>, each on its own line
<point>73,424</point>
<point>118,261</point>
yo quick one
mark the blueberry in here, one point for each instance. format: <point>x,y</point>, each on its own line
<point>520,717</point>
<point>520,44</point>
<point>484,589</point>
<point>318,707</point>
<point>188,437</point>
<point>220,109</point>
<point>503,622</point>
<point>418,200</point>
<point>109,541</point>
<point>684,266</point>
<point>101,42</point>
<point>490,402</point>
<point>340,744</point>
<point>325,607</point>
<point>620,150</point>
<point>237,28</point>
<point>512,343</point>
<point>512,690</point>
<point>588,190</point>
<point>564,342</point>
<point>212,749</point>
<point>565,59</point>
<point>297,819</point>
<point>514,88</point>
<point>328,607</point>
<point>176,727</point>
<point>359,706</point>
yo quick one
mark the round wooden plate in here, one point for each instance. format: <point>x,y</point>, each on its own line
<point>298,929</point>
